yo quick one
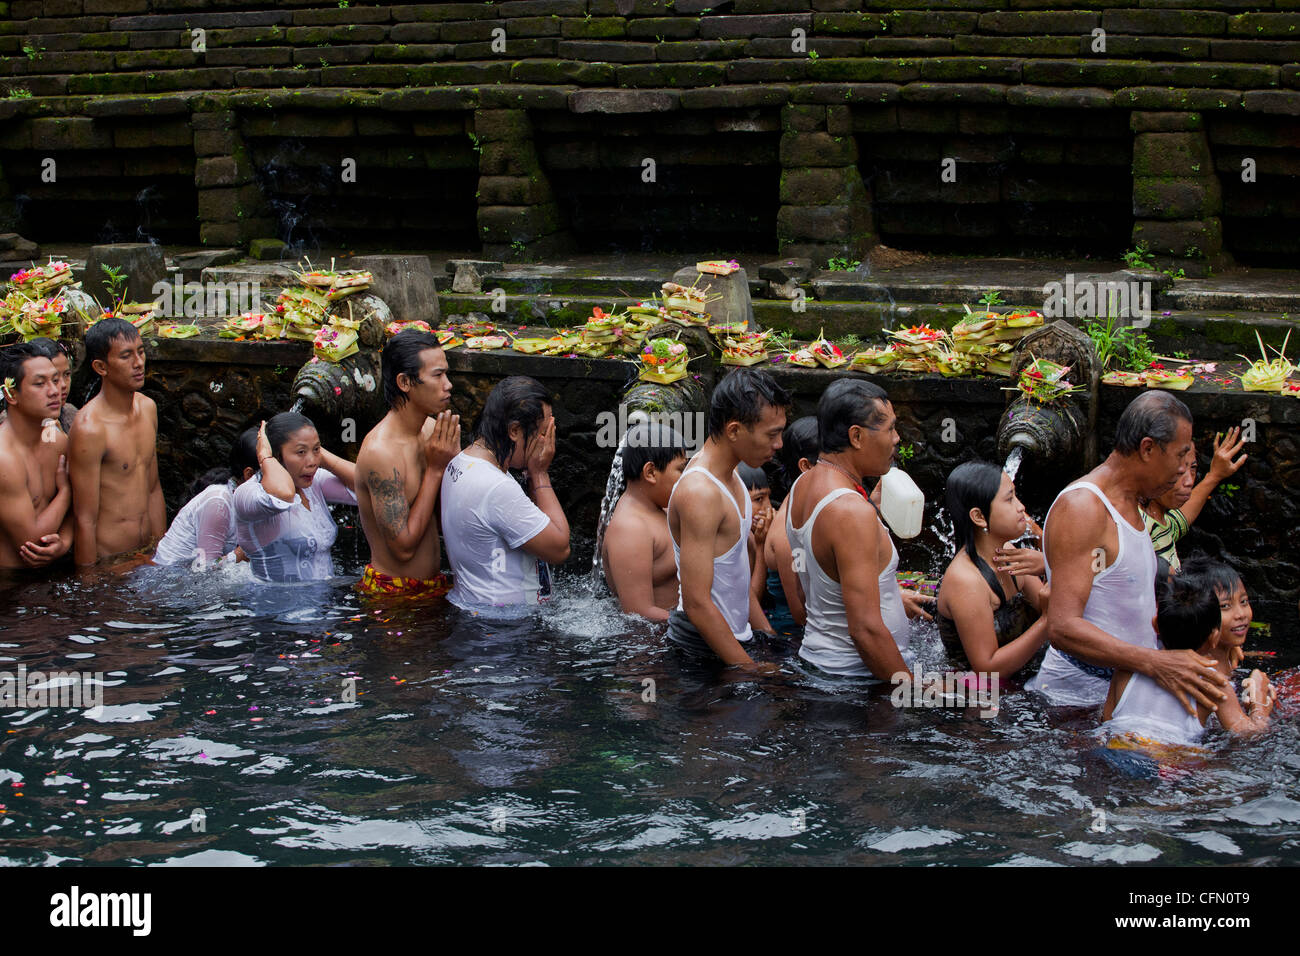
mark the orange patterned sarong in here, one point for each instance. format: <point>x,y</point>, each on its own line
<point>377,584</point>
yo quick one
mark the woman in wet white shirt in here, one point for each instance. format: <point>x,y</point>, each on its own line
<point>496,532</point>
<point>282,518</point>
<point>203,531</point>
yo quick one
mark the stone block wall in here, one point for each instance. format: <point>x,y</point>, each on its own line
<point>1203,85</point>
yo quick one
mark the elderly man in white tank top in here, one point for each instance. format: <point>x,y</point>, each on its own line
<point>1101,568</point>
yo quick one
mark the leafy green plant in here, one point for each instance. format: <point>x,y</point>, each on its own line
<point>850,341</point>
<point>116,281</point>
<point>813,55</point>
<point>1140,258</point>
<point>838,264</point>
<point>904,454</point>
<point>343,4</point>
<point>1119,346</point>
<point>1228,489</point>
<point>1180,355</point>
<point>991,298</point>
<point>517,247</point>
<point>19,94</point>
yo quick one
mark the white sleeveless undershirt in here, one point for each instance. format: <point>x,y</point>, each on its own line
<point>730,590</point>
<point>1122,603</point>
<point>826,640</point>
<point>1147,709</point>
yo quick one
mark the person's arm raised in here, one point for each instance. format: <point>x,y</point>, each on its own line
<point>630,570</point>
<point>276,480</point>
<point>1223,465</point>
<point>405,526</point>
<point>696,506</point>
<point>85,457</point>
<point>552,544</point>
<point>342,469</point>
<point>1071,553</point>
<point>854,538</point>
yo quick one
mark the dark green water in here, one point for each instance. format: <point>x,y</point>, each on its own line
<point>225,741</point>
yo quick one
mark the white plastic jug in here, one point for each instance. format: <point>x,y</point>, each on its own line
<point>901,503</point>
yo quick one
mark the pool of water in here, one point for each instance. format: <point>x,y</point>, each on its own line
<point>226,739</point>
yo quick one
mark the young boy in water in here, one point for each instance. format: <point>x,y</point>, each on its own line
<point>637,552</point>
<point>1202,608</point>
<point>35,493</point>
<point>760,501</point>
<point>1170,516</point>
<point>112,451</point>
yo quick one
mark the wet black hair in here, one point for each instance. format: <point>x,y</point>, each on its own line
<point>243,454</point>
<point>755,479</point>
<point>515,399</point>
<point>1223,577</point>
<point>799,440</point>
<point>401,355</point>
<point>52,349</point>
<point>651,443</point>
<point>741,396</point>
<point>845,403</point>
<point>101,335</point>
<point>1154,415</point>
<point>1164,570</point>
<point>14,358</point>
<point>1187,611</point>
<point>280,427</point>
<point>973,484</point>
<point>213,476</point>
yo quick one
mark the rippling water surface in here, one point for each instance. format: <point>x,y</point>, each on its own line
<point>225,739</point>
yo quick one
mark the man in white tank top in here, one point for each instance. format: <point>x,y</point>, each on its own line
<point>709,518</point>
<point>844,557</point>
<point>1101,568</point>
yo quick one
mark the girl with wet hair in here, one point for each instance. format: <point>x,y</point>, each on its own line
<point>988,616</point>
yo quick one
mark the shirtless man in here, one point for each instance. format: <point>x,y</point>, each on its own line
<point>400,468</point>
<point>35,494</point>
<point>1101,567</point>
<point>709,517</point>
<point>637,552</point>
<point>112,457</point>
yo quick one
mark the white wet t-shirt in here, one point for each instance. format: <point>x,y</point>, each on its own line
<point>486,520</point>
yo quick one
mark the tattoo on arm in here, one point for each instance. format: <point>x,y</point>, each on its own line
<point>389,501</point>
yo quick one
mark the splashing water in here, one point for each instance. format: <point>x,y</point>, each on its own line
<point>1013,461</point>
<point>298,404</point>
<point>613,491</point>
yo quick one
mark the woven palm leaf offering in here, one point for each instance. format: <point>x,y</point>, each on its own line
<point>1127,379</point>
<point>250,325</point>
<point>602,332</point>
<point>334,284</point>
<point>975,330</point>
<point>826,352</point>
<point>745,348</point>
<point>401,325</point>
<point>485,343</point>
<point>717,267</point>
<point>474,327</point>
<point>172,330</point>
<point>873,359</point>
<point>1265,374</point>
<point>39,317</point>
<point>447,338</point>
<point>1157,376</point>
<point>663,361</point>
<point>302,312</point>
<point>1014,326</point>
<point>1043,381</point>
<point>531,345</point>
<point>687,304</point>
<point>563,342</point>
<point>40,281</point>
<point>334,344</point>
<point>952,363</point>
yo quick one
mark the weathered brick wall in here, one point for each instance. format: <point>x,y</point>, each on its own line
<point>833,81</point>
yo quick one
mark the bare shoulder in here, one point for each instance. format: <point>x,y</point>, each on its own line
<point>1075,505</point>
<point>693,495</point>
<point>146,406</point>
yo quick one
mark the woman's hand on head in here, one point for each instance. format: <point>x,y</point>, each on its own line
<point>264,449</point>
<point>541,449</point>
